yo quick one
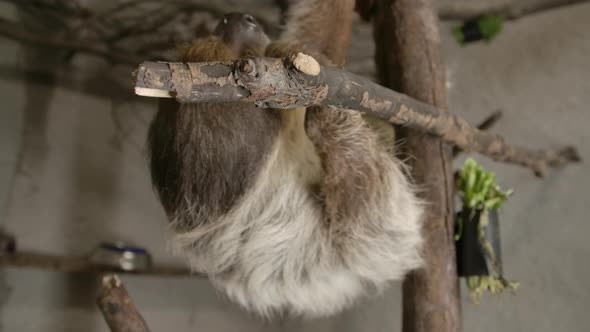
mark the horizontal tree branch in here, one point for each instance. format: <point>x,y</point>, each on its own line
<point>125,33</point>
<point>300,81</point>
<point>17,32</point>
<point>77,264</point>
<point>507,9</point>
<point>117,307</point>
<point>114,23</point>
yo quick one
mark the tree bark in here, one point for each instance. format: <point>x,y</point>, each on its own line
<point>408,57</point>
<point>300,81</point>
<point>117,308</point>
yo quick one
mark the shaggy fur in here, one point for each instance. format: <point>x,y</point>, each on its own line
<point>294,212</point>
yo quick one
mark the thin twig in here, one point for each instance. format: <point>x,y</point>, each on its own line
<point>117,307</point>
<point>64,11</point>
<point>490,121</point>
<point>16,32</point>
<point>283,83</point>
<point>110,28</point>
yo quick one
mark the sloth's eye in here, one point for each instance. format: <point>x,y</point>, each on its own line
<point>251,21</point>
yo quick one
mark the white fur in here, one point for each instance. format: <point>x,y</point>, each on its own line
<point>272,253</point>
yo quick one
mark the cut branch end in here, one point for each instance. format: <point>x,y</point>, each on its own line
<point>110,281</point>
<point>117,307</point>
<point>146,92</point>
<point>306,64</point>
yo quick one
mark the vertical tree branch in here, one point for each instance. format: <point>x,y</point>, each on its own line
<point>409,60</point>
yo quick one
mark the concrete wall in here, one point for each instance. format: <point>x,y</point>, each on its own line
<point>73,173</point>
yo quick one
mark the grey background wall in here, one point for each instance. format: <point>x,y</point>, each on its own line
<point>73,173</point>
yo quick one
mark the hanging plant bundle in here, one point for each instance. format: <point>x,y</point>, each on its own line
<point>477,236</point>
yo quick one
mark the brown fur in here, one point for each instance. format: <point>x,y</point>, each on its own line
<point>348,177</point>
<point>209,152</point>
<point>297,211</point>
<point>320,27</point>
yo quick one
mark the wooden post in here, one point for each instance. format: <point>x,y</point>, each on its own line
<point>408,57</point>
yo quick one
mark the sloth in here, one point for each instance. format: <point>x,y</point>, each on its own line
<point>295,212</point>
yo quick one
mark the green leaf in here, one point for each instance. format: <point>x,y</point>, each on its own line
<point>477,187</point>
